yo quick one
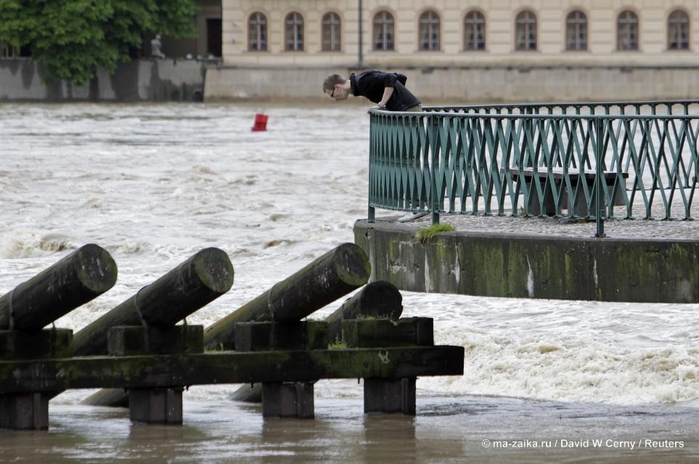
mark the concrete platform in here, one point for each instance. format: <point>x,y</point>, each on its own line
<point>553,258</point>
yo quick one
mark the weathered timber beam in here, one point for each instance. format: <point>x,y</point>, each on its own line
<point>196,282</point>
<point>378,299</point>
<point>228,368</point>
<point>323,281</point>
<point>76,279</point>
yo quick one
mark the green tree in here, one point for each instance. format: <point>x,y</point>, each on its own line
<point>73,38</point>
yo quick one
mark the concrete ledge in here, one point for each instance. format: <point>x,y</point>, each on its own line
<point>532,266</point>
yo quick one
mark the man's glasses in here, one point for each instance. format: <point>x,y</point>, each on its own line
<point>332,94</point>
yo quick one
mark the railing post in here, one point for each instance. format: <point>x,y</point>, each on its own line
<point>600,182</point>
<point>528,129</point>
<point>433,200</point>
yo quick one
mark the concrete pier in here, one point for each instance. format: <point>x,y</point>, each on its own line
<point>552,258</point>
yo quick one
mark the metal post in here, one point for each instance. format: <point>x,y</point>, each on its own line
<point>600,182</point>
<point>434,203</point>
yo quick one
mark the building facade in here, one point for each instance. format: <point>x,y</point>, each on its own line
<point>208,41</point>
<point>465,43</point>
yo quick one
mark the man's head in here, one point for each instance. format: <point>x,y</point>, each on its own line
<point>336,87</point>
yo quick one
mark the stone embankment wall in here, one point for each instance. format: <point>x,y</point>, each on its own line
<point>141,80</point>
<point>532,266</point>
<point>192,80</point>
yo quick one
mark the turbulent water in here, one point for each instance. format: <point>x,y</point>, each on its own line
<point>153,184</point>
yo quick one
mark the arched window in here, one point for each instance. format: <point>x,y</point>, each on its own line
<point>293,32</point>
<point>576,31</point>
<point>678,31</point>
<point>383,31</point>
<point>474,31</point>
<point>525,31</point>
<point>331,32</point>
<point>627,31</point>
<point>257,32</point>
<point>429,31</point>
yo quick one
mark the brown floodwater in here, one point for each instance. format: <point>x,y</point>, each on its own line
<point>447,429</point>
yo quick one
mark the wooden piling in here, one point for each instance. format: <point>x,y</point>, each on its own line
<point>326,279</point>
<point>389,396</point>
<point>288,399</point>
<point>156,405</point>
<point>196,282</point>
<point>24,411</point>
<point>138,347</point>
<point>71,282</point>
<point>379,299</point>
<point>29,410</point>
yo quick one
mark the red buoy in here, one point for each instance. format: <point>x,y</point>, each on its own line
<point>260,123</point>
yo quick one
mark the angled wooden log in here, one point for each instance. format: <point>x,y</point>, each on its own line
<point>326,279</point>
<point>73,281</point>
<point>113,397</point>
<point>205,276</point>
<point>379,299</point>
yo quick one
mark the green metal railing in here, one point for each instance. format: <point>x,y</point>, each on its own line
<point>595,161</point>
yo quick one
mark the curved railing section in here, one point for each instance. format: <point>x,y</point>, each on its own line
<point>628,160</point>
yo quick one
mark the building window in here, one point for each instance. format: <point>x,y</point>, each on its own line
<point>576,31</point>
<point>429,31</point>
<point>383,31</point>
<point>257,33</point>
<point>678,31</point>
<point>293,32</point>
<point>474,31</point>
<point>627,31</point>
<point>331,33</point>
<point>525,31</point>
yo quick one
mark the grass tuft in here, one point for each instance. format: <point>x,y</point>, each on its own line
<point>425,234</point>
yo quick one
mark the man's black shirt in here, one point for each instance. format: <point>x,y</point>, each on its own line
<point>371,84</point>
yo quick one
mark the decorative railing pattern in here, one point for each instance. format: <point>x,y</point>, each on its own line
<point>624,160</point>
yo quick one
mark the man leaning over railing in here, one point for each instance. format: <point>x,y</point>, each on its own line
<point>387,90</point>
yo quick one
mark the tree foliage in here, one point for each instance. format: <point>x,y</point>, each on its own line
<point>73,38</point>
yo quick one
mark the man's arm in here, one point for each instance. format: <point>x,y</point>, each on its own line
<point>387,92</point>
<point>389,81</point>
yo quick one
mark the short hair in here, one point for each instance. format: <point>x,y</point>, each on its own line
<point>332,80</point>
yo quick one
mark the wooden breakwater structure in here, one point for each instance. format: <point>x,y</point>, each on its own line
<point>141,346</point>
